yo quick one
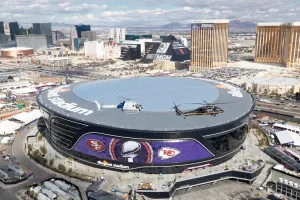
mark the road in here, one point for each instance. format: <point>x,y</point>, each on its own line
<point>40,173</point>
<point>280,109</point>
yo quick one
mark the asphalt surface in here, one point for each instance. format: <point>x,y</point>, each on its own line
<point>7,192</point>
<point>282,108</point>
<point>40,173</point>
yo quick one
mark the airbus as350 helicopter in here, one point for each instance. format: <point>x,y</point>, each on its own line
<point>206,109</point>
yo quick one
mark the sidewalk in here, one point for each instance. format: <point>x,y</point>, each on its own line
<point>24,160</point>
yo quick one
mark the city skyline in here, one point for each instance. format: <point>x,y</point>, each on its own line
<point>145,12</point>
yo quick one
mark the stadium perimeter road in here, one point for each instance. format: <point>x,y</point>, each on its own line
<point>225,190</point>
<point>7,194</point>
<point>40,173</point>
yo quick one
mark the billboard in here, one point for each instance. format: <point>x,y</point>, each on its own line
<point>200,26</point>
<point>158,57</point>
<point>163,47</point>
<point>177,45</point>
<point>140,151</point>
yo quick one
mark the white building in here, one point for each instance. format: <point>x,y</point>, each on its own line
<point>184,41</point>
<point>111,33</point>
<point>94,49</point>
<point>14,85</point>
<point>123,33</point>
<point>269,85</point>
<point>37,42</point>
<point>117,34</point>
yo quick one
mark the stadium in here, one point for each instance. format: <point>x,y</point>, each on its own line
<point>147,124</point>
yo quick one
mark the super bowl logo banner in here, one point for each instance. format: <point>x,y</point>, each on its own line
<point>140,152</point>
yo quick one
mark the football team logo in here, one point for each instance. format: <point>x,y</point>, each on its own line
<point>96,145</point>
<point>166,153</point>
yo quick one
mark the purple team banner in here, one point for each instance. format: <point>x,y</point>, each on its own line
<point>141,152</point>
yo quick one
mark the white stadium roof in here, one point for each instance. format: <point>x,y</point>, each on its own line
<point>288,137</point>
<point>27,117</point>
<point>21,91</point>
<point>8,127</point>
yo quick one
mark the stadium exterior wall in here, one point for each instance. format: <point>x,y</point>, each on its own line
<point>219,141</point>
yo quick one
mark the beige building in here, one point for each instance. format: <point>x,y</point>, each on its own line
<point>165,65</point>
<point>278,43</point>
<point>169,65</point>
<point>273,85</point>
<point>209,44</point>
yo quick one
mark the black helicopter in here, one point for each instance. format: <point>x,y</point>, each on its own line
<point>206,109</point>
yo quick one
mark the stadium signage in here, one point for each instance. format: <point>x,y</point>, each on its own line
<point>178,46</point>
<point>107,164</point>
<point>163,47</point>
<point>54,98</point>
<point>158,57</point>
<point>165,153</point>
<point>96,145</point>
<point>199,26</point>
<point>234,91</point>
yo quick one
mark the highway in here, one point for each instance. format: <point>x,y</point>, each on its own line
<point>278,109</point>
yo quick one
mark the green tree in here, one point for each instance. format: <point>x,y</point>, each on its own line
<point>35,153</point>
<point>43,149</point>
<point>29,147</point>
<point>40,137</point>
<point>61,168</point>
<point>44,161</point>
<point>51,162</point>
<point>70,171</point>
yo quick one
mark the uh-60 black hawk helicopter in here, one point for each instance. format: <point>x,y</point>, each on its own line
<point>206,109</point>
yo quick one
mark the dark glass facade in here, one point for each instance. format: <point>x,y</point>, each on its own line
<point>14,29</point>
<point>1,28</point>
<point>65,133</point>
<point>80,28</point>
<point>43,29</point>
<point>229,141</point>
<point>131,51</point>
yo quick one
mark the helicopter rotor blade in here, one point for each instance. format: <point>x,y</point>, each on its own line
<point>206,102</point>
<point>195,103</point>
<point>221,103</point>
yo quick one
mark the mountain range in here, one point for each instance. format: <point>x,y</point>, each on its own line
<point>233,24</point>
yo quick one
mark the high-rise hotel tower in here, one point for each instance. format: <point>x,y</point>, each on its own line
<point>209,44</point>
<point>278,43</point>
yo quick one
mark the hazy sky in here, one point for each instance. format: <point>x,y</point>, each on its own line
<point>146,12</point>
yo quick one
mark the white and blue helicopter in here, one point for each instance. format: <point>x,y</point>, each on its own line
<point>127,105</point>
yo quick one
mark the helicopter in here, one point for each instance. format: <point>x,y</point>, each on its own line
<point>126,105</point>
<point>206,109</point>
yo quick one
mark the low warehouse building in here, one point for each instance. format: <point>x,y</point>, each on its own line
<point>16,52</point>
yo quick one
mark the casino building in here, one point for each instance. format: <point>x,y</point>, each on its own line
<point>278,43</point>
<point>209,44</point>
<point>170,49</point>
<point>147,124</point>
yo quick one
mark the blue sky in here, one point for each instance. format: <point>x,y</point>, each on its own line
<point>146,12</point>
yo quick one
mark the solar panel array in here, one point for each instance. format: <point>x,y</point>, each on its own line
<point>283,158</point>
